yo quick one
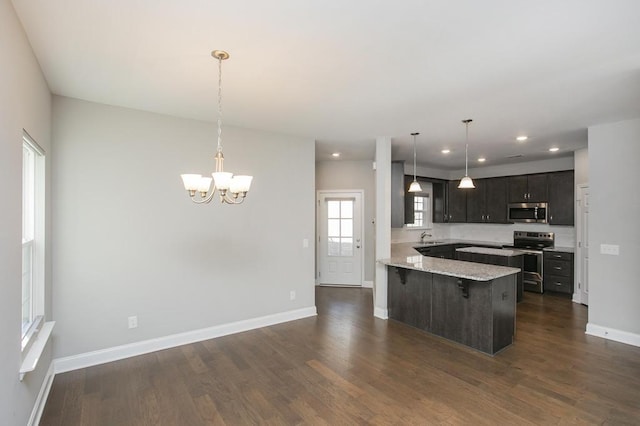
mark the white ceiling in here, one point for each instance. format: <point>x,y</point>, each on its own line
<point>343,72</point>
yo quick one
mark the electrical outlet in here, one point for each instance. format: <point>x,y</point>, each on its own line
<point>292,295</point>
<point>305,243</point>
<point>133,322</point>
<point>612,249</point>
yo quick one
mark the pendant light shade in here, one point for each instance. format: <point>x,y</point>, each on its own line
<point>415,186</point>
<point>466,182</point>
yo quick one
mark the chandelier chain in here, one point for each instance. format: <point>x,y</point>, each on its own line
<point>219,104</point>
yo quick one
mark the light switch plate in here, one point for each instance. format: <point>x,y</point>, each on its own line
<point>611,249</point>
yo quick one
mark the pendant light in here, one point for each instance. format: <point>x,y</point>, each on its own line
<point>415,186</point>
<point>466,181</point>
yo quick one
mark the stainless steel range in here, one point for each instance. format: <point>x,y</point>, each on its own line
<point>532,244</point>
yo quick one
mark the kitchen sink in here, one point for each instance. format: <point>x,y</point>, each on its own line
<point>432,242</point>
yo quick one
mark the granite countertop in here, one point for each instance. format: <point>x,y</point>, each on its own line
<point>492,251</point>
<point>405,256</point>
<point>561,249</point>
<point>443,242</point>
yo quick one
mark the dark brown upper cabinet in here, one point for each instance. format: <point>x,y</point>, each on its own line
<point>487,203</point>
<point>561,198</point>
<point>528,188</point>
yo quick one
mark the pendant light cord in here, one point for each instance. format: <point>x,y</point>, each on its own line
<point>414,157</point>
<point>466,151</point>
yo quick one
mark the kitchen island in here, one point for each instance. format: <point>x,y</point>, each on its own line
<point>469,303</point>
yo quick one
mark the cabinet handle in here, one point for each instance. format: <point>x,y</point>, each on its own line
<point>558,268</point>
<point>559,256</point>
<point>482,217</point>
<point>487,217</point>
<point>558,284</point>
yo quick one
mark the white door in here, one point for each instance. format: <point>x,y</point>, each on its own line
<point>340,238</point>
<point>582,257</point>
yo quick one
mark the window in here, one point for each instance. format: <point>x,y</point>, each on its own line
<point>421,212</point>
<point>32,237</point>
<point>422,209</point>
<point>340,227</point>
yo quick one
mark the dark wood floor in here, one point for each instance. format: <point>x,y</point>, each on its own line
<point>346,367</point>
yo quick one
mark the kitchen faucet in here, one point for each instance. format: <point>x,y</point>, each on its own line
<point>424,234</point>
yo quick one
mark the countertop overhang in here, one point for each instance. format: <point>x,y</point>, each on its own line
<point>404,255</point>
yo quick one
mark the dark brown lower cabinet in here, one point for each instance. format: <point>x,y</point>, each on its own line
<point>492,259</point>
<point>479,314</point>
<point>558,272</point>
<point>409,297</point>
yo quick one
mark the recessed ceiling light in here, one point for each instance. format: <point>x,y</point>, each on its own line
<point>554,149</point>
<point>335,154</point>
<point>446,151</point>
<point>522,138</point>
<point>482,160</point>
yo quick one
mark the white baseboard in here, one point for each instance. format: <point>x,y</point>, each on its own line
<point>116,353</point>
<point>380,313</point>
<point>41,400</point>
<point>613,334</point>
<point>367,284</point>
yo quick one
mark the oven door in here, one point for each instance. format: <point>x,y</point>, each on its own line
<point>532,271</point>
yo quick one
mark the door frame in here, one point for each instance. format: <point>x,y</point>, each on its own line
<point>579,267</point>
<point>340,193</point>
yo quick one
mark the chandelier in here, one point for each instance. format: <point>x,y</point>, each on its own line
<point>232,189</point>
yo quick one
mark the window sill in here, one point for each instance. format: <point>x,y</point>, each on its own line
<point>32,355</point>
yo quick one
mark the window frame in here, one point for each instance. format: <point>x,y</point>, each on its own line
<point>426,193</point>
<point>33,238</point>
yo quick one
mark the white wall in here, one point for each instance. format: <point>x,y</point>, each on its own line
<point>581,166</point>
<point>25,103</point>
<point>128,241</point>
<point>338,174</point>
<point>614,295</point>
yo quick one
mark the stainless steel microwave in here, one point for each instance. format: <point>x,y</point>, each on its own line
<point>527,212</point>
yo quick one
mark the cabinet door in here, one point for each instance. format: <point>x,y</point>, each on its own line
<point>561,198</point>
<point>409,297</point>
<point>496,200</point>
<point>537,188</point>
<point>466,320</point>
<point>397,194</point>
<point>409,213</point>
<point>457,203</point>
<point>476,206</point>
<point>518,189</point>
<point>439,200</point>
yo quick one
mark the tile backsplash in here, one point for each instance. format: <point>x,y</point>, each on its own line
<point>565,236</point>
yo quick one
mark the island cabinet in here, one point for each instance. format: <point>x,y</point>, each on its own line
<point>487,203</point>
<point>456,203</point>
<point>479,314</point>
<point>528,188</point>
<point>409,298</point>
<point>561,198</point>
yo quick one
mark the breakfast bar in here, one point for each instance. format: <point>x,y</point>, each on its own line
<point>470,303</point>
